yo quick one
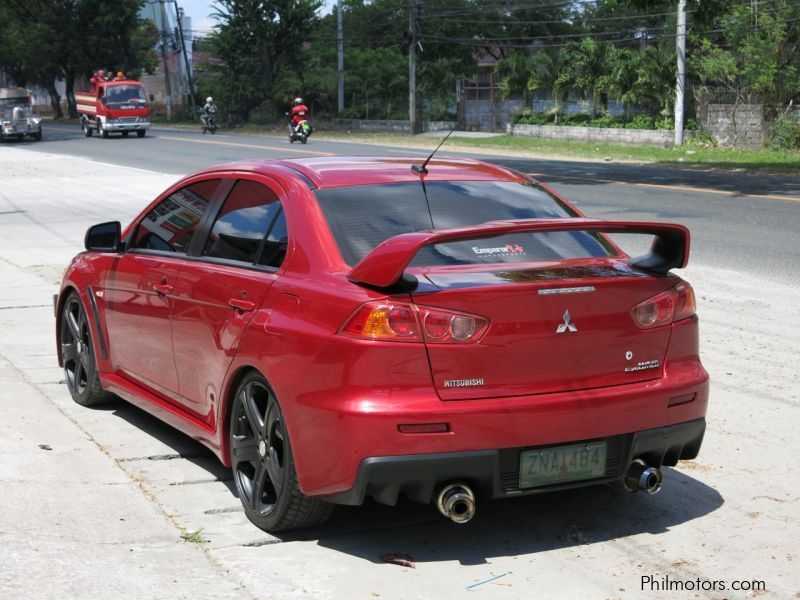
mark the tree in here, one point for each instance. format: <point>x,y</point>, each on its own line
<point>759,58</point>
<point>656,82</point>
<point>42,40</point>
<point>588,68</point>
<point>515,73</point>
<point>257,40</point>
<point>624,80</point>
<point>551,74</point>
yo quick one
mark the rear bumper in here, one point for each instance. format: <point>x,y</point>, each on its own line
<point>495,473</point>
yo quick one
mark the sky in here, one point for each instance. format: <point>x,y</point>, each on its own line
<point>200,10</point>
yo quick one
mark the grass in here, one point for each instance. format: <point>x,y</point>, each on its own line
<point>765,160</point>
<point>195,537</point>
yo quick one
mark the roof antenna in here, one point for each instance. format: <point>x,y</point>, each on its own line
<point>421,169</point>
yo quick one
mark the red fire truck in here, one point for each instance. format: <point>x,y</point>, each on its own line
<point>119,105</point>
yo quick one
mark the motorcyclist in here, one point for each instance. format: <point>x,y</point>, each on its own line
<point>208,111</point>
<point>298,114</point>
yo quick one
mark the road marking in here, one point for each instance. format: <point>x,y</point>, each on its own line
<point>683,188</point>
<point>240,145</point>
<point>106,164</point>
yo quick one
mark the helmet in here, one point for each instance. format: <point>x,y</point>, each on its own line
<point>297,101</point>
<point>101,73</point>
<point>209,99</point>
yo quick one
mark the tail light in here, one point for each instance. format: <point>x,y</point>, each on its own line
<point>667,307</point>
<point>404,322</point>
<point>384,321</point>
<point>446,327</point>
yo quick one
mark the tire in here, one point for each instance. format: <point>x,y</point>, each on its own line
<point>141,132</point>
<point>87,131</point>
<point>125,133</point>
<point>77,354</point>
<point>100,130</point>
<point>303,139</point>
<point>37,136</point>
<point>263,465</point>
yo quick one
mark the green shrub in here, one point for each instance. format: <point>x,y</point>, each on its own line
<point>579,119</point>
<point>666,123</point>
<point>702,139</point>
<point>528,117</point>
<point>642,122</point>
<point>786,132</point>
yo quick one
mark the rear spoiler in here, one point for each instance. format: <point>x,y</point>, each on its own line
<point>385,265</point>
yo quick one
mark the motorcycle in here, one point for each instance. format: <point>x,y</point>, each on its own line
<point>209,121</point>
<point>299,131</point>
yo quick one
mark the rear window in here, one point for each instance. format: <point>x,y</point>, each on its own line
<point>362,217</point>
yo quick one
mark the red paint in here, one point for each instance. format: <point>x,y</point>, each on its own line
<point>180,331</point>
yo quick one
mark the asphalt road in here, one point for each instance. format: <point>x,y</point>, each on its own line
<point>739,221</point>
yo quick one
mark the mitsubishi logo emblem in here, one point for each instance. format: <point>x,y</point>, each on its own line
<point>567,325</point>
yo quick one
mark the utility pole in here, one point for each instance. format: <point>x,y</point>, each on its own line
<point>680,47</point>
<point>179,18</point>
<point>164,40</point>
<point>412,66</point>
<point>340,48</point>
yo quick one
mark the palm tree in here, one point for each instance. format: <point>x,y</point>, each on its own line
<point>656,82</point>
<point>624,78</point>
<point>550,74</point>
<point>515,72</point>
<point>588,66</point>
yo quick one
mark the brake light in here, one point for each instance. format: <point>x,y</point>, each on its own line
<point>667,307</point>
<point>403,322</point>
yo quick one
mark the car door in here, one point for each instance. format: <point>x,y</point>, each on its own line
<point>217,293</point>
<point>138,288</point>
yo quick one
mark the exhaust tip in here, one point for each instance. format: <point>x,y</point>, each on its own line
<point>640,477</point>
<point>456,502</point>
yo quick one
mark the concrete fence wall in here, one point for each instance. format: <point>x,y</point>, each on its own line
<point>389,125</point>
<point>741,126</point>
<point>613,135</point>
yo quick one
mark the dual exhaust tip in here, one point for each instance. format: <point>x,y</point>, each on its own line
<point>456,501</point>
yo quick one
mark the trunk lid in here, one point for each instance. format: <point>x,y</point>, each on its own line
<point>532,345</point>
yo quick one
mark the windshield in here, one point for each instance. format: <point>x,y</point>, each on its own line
<point>12,102</point>
<point>362,217</point>
<point>125,94</point>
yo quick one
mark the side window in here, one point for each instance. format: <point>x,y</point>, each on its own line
<point>247,216</point>
<point>169,227</point>
<point>274,250</point>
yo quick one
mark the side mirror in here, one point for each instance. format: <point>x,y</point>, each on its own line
<point>104,237</point>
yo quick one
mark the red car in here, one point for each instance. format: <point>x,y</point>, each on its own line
<point>337,328</point>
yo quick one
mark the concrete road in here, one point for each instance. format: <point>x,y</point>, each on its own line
<point>95,502</point>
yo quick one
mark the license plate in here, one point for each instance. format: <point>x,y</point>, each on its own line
<point>563,463</point>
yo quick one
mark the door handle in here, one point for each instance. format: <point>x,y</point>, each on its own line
<point>242,305</point>
<point>162,288</point>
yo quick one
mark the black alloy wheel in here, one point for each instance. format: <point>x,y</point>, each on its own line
<point>261,459</point>
<point>77,354</point>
